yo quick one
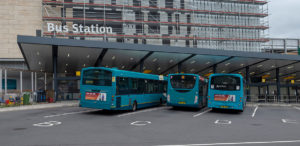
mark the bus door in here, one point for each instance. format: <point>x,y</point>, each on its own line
<point>122,95</point>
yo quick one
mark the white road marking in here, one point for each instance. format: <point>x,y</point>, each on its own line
<point>238,143</point>
<point>201,113</point>
<point>140,123</point>
<point>254,112</point>
<point>143,111</point>
<point>223,122</point>
<point>47,124</point>
<point>289,121</point>
<point>298,108</point>
<point>72,113</point>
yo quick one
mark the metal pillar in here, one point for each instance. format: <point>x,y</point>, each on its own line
<point>278,85</point>
<point>142,66</point>
<point>247,84</point>
<point>259,93</point>
<point>288,91</point>
<point>21,82</point>
<point>5,82</point>
<point>214,68</point>
<point>297,93</point>
<point>54,58</point>
<point>1,82</point>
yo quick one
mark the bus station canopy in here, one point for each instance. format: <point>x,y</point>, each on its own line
<point>73,55</point>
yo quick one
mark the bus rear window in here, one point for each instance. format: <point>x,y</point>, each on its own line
<point>225,83</point>
<point>97,77</point>
<point>183,81</point>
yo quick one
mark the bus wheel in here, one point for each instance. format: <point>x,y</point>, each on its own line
<point>134,106</point>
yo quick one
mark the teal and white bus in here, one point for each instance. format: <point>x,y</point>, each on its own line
<point>186,90</point>
<point>113,89</point>
<point>227,91</point>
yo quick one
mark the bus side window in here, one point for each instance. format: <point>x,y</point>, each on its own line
<point>134,86</point>
<point>141,86</point>
<point>122,85</point>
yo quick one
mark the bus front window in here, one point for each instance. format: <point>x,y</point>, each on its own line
<point>230,83</point>
<point>97,77</point>
<point>183,81</point>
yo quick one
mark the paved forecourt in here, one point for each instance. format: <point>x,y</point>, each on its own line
<point>263,125</point>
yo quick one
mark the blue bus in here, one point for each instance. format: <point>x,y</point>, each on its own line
<point>186,90</point>
<point>226,91</point>
<point>113,89</point>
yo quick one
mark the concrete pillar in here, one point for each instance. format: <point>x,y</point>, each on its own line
<point>1,91</point>
<point>21,82</point>
<point>5,82</point>
<point>32,85</point>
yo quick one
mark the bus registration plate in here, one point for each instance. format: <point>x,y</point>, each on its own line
<point>182,102</point>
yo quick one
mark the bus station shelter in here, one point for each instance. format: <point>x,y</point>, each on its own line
<point>66,56</point>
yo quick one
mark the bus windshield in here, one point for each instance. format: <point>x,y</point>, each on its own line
<point>225,83</point>
<point>97,77</point>
<point>183,81</point>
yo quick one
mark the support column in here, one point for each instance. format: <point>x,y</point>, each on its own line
<point>45,81</point>
<point>247,84</point>
<point>35,82</point>
<point>297,93</point>
<point>32,85</point>
<point>179,68</point>
<point>278,85</point>
<point>21,82</point>
<point>141,66</point>
<point>1,91</point>
<point>285,47</point>
<point>5,82</point>
<point>214,68</point>
<point>289,92</point>
<point>54,58</point>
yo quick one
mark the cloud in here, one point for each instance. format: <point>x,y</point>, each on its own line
<point>284,19</point>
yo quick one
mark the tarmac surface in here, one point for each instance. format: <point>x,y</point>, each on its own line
<point>66,126</point>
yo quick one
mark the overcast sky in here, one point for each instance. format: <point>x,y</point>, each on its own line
<point>284,19</point>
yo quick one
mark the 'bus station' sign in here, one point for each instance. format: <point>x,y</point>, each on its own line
<point>93,29</point>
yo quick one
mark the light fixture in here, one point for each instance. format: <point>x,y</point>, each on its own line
<point>88,56</point>
<point>171,61</point>
<point>268,73</point>
<point>240,72</point>
<point>37,53</point>
<point>259,66</point>
<point>273,66</point>
<point>40,63</point>
<point>193,61</point>
<point>158,68</point>
<point>113,57</point>
<point>208,62</point>
<point>83,65</point>
<point>106,66</point>
<point>223,71</point>
<point>67,64</point>
<point>290,67</point>
<point>227,64</point>
<point>68,55</point>
<point>155,59</point>
<point>123,67</point>
<point>252,73</point>
<point>65,71</point>
<point>192,70</point>
<point>210,71</point>
<point>131,58</point>
<point>144,67</point>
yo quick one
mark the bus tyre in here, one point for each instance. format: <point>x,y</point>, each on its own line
<point>134,106</point>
